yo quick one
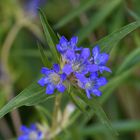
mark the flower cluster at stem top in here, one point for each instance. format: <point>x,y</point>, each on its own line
<point>78,67</point>
<point>31,133</point>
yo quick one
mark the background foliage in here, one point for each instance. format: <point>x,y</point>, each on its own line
<point>105,22</point>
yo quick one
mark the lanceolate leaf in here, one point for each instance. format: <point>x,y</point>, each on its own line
<point>121,126</point>
<point>51,38</point>
<point>32,95</point>
<point>78,102</point>
<point>75,12</point>
<point>132,59</point>
<point>94,104</point>
<point>108,42</point>
<point>97,19</point>
<point>44,58</point>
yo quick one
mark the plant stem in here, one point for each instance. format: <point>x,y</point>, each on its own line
<point>56,111</point>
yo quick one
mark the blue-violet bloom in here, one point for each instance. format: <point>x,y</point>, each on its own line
<point>52,79</point>
<point>79,63</point>
<point>91,84</point>
<point>100,59</point>
<point>65,45</point>
<point>31,133</point>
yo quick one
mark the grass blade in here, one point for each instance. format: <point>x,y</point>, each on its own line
<point>93,103</point>
<point>108,42</point>
<point>32,95</point>
<point>75,12</point>
<point>44,58</point>
<point>99,17</point>
<point>50,35</point>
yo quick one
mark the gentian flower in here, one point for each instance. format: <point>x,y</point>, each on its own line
<point>52,79</point>
<point>78,67</point>
<point>32,133</point>
<point>91,84</point>
<point>100,59</point>
<point>65,45</point>
<point>79,63</point>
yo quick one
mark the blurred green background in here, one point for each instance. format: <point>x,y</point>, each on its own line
<point>90,20</point>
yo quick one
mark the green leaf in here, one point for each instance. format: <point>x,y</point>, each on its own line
<point>75,12</point>
<point>113,84</point>
<point>108,42</point>
<point>51,38</point>
<point>44,58</point>
<point>122,73</point>
<point>133,14</point>
<point>32,95</point>
<point>94,104</point>
<point>78,102</point>
<point>97,19</point>
<point>122,127</point>
<point>131,60</point>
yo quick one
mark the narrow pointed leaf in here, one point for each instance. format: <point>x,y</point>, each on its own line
<point>51,37</point>
<point>75,12</point>
<point>97,19</point>
<point>93,104</point>
<point>108,42</point>
<point>121,126</point>
<point>32,95</point>
<point>132,59</point>
<point>44,58</point>
<point>78,102</point>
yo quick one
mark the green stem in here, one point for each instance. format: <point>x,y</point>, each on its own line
<point>56,111</point>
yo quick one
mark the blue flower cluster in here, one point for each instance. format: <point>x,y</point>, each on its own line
<point>78,66</point>
<point>32,133</point>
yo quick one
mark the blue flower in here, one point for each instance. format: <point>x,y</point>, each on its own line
<point>52,79</point>
<point>65,45</point>
<point>79,63</point>
<point>78,66</point>
<point>32,133</point>
<point>100,59</point>
<point>91,84</point>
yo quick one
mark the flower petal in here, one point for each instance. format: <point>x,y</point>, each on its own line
<point>67,69</point>
<point>82,80</point>
<point>92,68</point>
<point>45,70</point>
<point>101,81</point>
<point>56,68</point>
<point>95,52</point>
<point>81,77</point>
<point>43,81</point>
<point>73,41</point>
<point>63,41</point>
<point>94,76</point>
<point>88,93</point>
<point>70,55</point>
<point>24,129</point>
<point>104,68</point>
<point>85,53</point>
<point>97,92</point>
<point>63,76</point>
<point>50,89</point>
<point>103,58</point>
<point>60,48</point>
<point>61,88</point>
